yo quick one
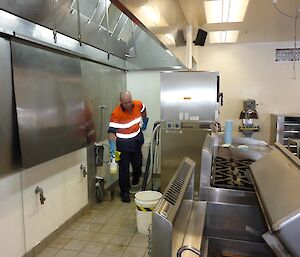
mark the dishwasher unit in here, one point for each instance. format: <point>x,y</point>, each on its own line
<point>189,106</point>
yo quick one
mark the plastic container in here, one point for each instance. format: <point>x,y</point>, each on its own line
<point>145,202</point>
<point>113,166</point>
<point>228,132</point>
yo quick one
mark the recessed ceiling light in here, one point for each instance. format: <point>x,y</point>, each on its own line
<point>150,16</point>
<point>219,11</point>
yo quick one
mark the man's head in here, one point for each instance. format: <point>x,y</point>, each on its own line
<point>126,100</point>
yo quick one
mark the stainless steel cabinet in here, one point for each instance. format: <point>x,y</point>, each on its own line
<point>184,140</point>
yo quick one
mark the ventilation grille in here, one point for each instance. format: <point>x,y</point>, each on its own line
<point>287,54</point>
<point>174,190</point>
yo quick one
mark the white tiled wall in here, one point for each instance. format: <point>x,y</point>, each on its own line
<point>65,190</point>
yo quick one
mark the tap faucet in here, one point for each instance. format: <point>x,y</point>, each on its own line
<point>39,190</point>
<point>83,169</point>
<point>187,247</point>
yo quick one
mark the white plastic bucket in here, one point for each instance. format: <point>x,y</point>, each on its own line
<point>145,202</point>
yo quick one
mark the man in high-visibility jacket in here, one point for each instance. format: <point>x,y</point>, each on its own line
<point>127,122</point>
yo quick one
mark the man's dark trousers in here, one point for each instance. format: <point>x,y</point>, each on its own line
<point>135,158</point>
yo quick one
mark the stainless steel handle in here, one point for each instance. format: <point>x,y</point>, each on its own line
<point>189,248</point>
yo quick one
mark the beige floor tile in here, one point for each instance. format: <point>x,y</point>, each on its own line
<point>77,225</point>
<point>121,239</point>
<point>100,219</point>
<point>66,253</point>
<point>102,237</point>
<point>94,247</point>
<point>48,252</point>
<point>84,235</point>
<point>146,254</point>
<point>116,222</point>
<point>69,233</point>
<point>129,223</point>
<point>111,229</point>
<point>93,227</point>
<point>126,231</point>
<point>114,250</point>
<point>59,243</point>
<point>134,252</point>
<point>132,216</point>
<point>82,254</point>
<point>120,215</point>
<point>75,245</point>
<point>85,219</point>
<point>139,241</point>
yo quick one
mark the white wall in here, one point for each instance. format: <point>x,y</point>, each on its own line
<point>11,216</point>
<point>145,86</point>
<point>249,71</point>
<point>22,214</point>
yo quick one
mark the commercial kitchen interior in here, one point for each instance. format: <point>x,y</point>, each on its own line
<point>94,66</point>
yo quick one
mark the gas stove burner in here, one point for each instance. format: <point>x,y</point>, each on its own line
<point>232,174</point>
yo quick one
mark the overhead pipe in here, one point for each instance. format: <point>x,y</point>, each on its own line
<point>189,47</point>
<point>54,22</point>
<point>107,29</point>
<point>94,12</point>
<point>133,37</point>
<point>78,23</point>
<point>72,7</point>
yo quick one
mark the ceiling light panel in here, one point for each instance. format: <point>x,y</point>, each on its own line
<point>220,11</point>
<point>228,36</point>
<point>150,16</point>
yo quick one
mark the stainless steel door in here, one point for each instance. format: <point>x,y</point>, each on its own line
<point>187,141</point>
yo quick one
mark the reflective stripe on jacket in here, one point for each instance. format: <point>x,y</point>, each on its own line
<point>126,124</point>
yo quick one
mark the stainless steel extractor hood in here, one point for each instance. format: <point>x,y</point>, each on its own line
<point>92,29</point>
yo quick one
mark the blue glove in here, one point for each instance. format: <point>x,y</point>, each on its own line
<point>145,123</point>
<point>112,148</point>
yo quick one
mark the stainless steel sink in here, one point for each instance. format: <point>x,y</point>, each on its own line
<point>234,230</point>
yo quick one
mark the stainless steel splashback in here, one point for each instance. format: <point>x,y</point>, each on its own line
<point>10,157</point>
<point>50,104</point>
<point>276,178</point>
<point>189,96</point>
<point>102,85</point>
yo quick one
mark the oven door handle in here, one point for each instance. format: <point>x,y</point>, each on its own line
<point>189,248</point>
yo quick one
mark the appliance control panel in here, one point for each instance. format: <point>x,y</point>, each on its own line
<point>173,125</point>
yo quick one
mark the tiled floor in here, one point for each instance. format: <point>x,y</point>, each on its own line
<point>107,230</point>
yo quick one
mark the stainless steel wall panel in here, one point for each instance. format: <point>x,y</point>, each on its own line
<point>10,157</point>
<point>50,104</point>
<point>102,86</point>
<point>189,96</point>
